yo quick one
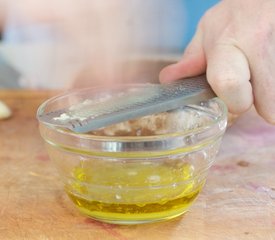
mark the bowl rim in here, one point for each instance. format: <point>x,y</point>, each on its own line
<point>70,92</point>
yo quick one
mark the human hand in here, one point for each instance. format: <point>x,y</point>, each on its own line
<point>235,46</point>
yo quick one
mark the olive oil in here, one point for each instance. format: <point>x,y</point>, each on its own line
<point>133,192</point>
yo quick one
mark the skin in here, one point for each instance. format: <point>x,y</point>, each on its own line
<point>235,46</point>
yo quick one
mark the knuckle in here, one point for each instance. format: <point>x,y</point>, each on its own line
<point>233,90</point>
<point>224,82</point>
<point>208,14</point>
<point>207,18</point>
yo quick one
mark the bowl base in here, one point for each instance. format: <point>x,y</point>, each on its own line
<point>124,220</point>
<point>118,213</point>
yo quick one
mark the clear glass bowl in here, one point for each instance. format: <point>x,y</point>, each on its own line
<point>143,170</point>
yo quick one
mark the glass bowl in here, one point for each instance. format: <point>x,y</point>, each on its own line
<point>143,170</point>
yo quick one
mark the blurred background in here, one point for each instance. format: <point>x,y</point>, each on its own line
<point>53,44</point>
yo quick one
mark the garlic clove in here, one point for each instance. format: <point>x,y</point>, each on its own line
<point>5,111</point>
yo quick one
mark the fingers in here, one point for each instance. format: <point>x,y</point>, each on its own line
<point>228,74</point>
<point>193,62</point>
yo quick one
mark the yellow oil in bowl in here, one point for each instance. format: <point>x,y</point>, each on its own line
<point>133,192</point>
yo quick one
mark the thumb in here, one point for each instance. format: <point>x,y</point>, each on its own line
<point>192,63</point>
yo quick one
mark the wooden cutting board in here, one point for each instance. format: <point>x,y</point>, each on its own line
<point>238,201</point>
